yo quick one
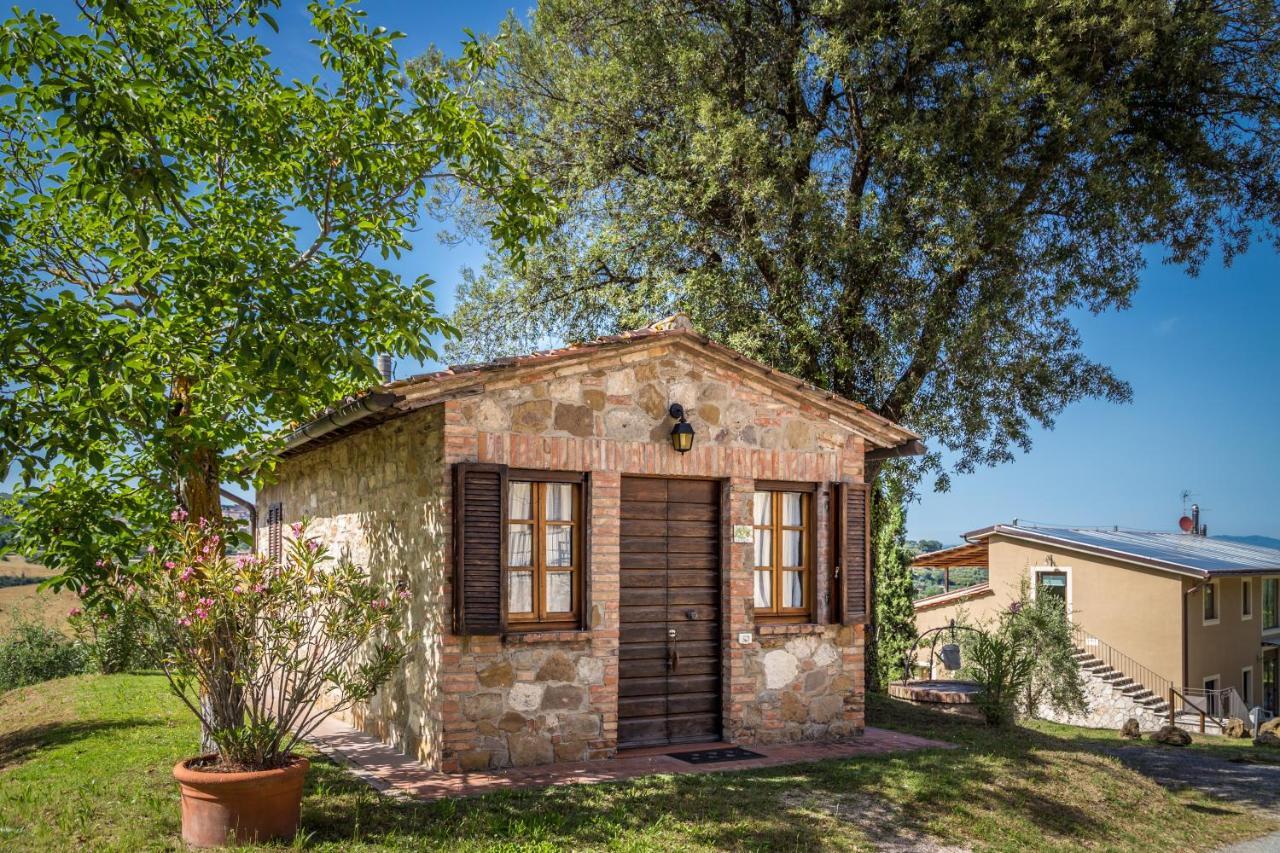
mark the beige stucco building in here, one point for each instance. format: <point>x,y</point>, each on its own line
<point>581,583</point>
<point>1165,610</point>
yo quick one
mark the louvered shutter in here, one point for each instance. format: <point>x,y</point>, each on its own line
<point>275,521</point>
<point>852,552</point>
<point>479,547</point>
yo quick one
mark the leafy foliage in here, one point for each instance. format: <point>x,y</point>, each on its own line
<point>1025,661</point>
<point>114,635</point>
<point>251,646</point>
<point>193,249</point>
<point>32,652</point>
<point>905,203</point>
<point>895,618</point>
<point>1040,623</point>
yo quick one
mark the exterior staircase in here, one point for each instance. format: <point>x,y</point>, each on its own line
<point>1091,666</point>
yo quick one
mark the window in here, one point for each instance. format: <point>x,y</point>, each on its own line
<point>783,558</point>
<point>1246,599</point>
<point>1210,593</point>
<point>543,553</point>
<point>1270,594</point>
<point>1053,584</point>
<point>1246,685</point>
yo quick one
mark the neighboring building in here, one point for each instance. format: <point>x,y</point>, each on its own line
<point>581,586</point>
<point>1160,610</point>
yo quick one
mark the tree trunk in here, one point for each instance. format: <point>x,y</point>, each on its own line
<point>200,490</point>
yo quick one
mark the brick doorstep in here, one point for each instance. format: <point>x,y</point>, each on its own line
<point>383,768</point>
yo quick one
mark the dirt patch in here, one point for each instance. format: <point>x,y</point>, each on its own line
<point>885,823</point>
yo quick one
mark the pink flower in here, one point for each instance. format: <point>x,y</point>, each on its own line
<point>182,595</point>
<point>205,601</point>
<point>201,613</point>
<point>151,549</point>
<point>100,563</point>
<point>178,514</point>
<point>187,574</point>
<point>378,604</point>
<point>258,587</point>
<point>170,564</point>
<point>296,529</point>
<point>237,589</point>
<point>244,560</point>
<point>404,594</point>
<point>84,590</point>
<point>184,622</point>
<point>313,545</point>
<point>74,612</point>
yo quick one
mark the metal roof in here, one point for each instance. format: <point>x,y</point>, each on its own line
<point>1179,552</point>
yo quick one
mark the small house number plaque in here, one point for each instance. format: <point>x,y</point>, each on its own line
<point>743,534</point>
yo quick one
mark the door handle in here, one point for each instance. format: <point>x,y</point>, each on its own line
<point>674,658</point>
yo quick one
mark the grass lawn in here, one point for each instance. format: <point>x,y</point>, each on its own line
<point>84,763</point>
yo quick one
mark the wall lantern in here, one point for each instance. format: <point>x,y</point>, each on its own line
<point>681,433</point>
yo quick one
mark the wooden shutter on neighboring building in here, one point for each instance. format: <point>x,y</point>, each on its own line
<point>275,521</point>
<point>479,547</point>
<point>852,552</point>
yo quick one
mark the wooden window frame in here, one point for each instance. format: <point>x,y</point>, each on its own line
<point>776,614</point>
<point>539,620</point>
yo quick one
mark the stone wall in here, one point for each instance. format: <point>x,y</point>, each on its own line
<point>1108,707</point>
<point>519,703</point>
<point>806,684</point>
<point>378,497</point>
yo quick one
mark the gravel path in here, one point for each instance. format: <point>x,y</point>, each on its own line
<point>1255,785</point>
<point>1243,782</point>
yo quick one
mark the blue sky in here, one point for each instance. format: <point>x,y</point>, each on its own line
<point>1202,355</point>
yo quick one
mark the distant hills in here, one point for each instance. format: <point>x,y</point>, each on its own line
<point>1260,541</point>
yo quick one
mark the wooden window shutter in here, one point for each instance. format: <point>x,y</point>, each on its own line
<point>479,547</point>
<point>275,521</point>
<point>853,551</point>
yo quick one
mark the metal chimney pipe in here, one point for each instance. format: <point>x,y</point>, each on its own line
<point>384,366</point>
<point>1195,520</point>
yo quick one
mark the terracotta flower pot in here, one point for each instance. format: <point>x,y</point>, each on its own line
<point>224,808</point>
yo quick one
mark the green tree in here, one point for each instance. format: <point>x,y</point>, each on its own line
<point>904,203</point>
<point>895,618</point>
<point>193,248</point>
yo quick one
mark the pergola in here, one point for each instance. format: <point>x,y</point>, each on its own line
<point>971,556</point>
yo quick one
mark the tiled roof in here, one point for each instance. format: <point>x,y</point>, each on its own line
<point>1179,552</point>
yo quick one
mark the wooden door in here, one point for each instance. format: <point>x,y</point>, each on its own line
<point>669,648</point>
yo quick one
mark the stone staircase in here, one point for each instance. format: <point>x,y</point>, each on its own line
<point>1093,669</point>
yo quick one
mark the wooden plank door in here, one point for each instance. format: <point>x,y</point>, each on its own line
<point>669,649</point>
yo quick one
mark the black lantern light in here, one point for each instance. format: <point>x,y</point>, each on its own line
<point>681,433</point>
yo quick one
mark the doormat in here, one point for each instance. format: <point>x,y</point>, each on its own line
<point>714,756</point>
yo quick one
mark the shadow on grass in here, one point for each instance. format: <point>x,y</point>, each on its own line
<point>19,745</point>
<point>884,799</point>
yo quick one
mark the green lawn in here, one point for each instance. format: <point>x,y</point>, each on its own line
<point>84,763</point>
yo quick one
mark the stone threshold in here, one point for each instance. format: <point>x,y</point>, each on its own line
<point>383,768</point>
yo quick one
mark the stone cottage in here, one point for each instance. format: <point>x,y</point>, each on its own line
<point>646,539</point>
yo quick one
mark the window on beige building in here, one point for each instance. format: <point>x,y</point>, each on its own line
<point>1246,599</point>
<point>1210,598</point>
<point>1270,594</point>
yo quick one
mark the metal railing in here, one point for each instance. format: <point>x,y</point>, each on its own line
<point>1216,705</point>
<point>1120,662</point>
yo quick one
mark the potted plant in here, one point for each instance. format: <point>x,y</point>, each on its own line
<point>261,652</point>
